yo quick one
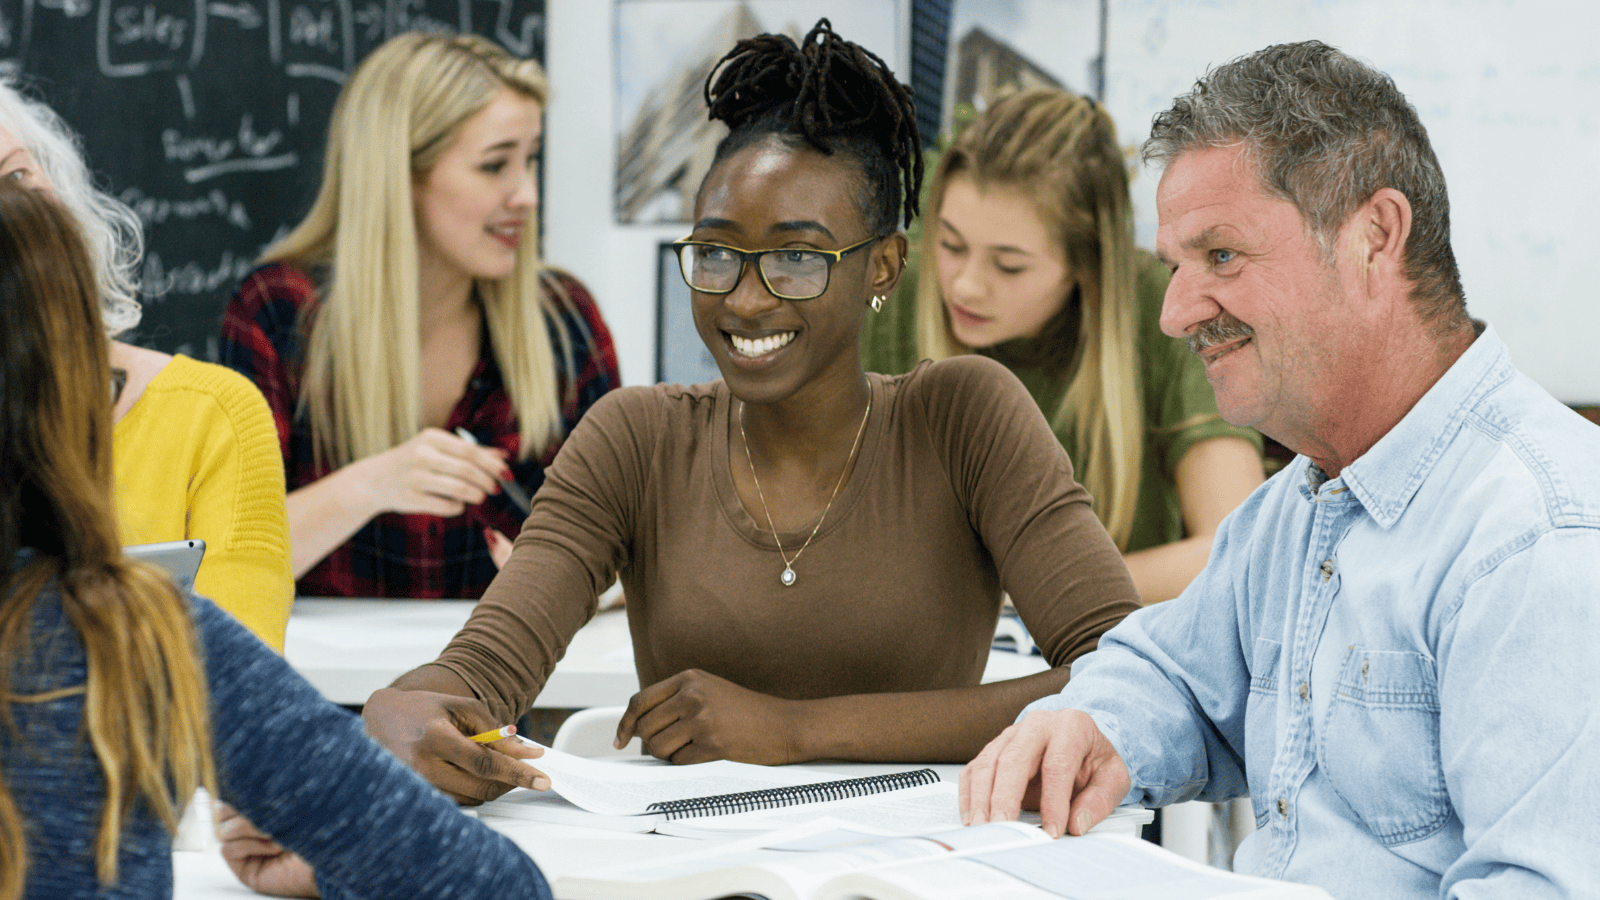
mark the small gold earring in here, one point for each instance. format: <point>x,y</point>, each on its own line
<point>877,303</point>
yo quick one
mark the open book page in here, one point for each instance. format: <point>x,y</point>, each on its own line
<point>854,851</point>
<point>787,864</point>
<point>618,788</point>
<point>1114,867</point>
<point>549,806</point>
<point>939,879</point>
<point>1098,867</point>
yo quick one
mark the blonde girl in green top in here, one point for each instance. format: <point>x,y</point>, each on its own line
<point>1027,256</point>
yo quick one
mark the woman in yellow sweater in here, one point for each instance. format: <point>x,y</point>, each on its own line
<point>194,446</point>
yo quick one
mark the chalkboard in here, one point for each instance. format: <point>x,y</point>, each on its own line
<point>208,117</point>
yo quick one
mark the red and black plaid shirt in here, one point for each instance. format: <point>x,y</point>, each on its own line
<point>394,555</point>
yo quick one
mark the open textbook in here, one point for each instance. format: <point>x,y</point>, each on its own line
<point>723,798</point>
<point>999,861</point>
<point>718,798</point>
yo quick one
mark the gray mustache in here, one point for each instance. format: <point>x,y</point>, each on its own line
<point>1219,330</point>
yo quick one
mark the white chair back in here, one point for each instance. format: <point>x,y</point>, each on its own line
<point>589,732</point>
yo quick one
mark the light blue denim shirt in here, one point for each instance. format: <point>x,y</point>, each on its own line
<point>1400,664</point>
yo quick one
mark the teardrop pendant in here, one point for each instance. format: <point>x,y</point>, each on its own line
<point>787,577</point>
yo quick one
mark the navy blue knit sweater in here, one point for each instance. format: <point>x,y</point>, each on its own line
<point>300,768</point>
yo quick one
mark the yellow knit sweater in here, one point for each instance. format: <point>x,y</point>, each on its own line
<point>197,457</point>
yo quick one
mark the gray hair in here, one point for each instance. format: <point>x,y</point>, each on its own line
<point>110,228</point>
<point>1325,132</point>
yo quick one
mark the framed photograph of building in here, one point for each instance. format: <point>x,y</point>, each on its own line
<point>993,47</point>
<point>666,48</point>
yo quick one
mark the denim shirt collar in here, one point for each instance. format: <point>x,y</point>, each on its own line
<point>1386,477</point>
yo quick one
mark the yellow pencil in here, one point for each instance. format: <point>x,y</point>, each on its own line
<point>489,737</point>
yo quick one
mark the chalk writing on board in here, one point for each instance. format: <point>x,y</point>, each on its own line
<point>155,210</point>
<point>208,118</point>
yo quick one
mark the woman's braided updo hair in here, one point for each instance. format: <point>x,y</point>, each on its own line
<point>837,97</point>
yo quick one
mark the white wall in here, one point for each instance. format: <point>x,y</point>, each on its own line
<point>1510,93</point>
<point>616,262</point>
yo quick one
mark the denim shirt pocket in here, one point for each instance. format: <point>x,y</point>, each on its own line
<point>1260,724</point>
<point>1380,746</point>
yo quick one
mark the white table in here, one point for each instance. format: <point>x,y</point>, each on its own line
<point>349,648</point>
<point>558,849</point>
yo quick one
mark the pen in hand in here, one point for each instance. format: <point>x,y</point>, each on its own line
<point>512,489</point>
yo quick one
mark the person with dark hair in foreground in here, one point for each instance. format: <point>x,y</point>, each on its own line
<point>1392,649</point>
<point>813,557</point>
<point>123,692</point>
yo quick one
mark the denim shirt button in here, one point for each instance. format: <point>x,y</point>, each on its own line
<point>1327,569</point>
<point>1305,691</point>
<point>1283,807</point>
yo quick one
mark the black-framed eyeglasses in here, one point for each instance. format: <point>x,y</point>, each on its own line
<point>790,273</point>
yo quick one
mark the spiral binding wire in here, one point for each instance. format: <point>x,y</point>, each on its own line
<point>794,795</point>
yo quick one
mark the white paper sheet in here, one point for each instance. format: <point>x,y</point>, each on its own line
<point>620,789</point>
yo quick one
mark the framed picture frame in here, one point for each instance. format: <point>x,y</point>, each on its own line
<point>681,357</point>
<point>968,53</point>
<point>664,51</point>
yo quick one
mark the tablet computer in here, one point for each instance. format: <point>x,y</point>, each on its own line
<point>181,559</point>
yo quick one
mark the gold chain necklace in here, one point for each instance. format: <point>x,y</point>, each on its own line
<point>788,577</point>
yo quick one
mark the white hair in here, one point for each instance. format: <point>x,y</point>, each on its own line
<point>110,228</point>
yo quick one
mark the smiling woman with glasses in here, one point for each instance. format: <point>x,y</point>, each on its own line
<point>814,558</point>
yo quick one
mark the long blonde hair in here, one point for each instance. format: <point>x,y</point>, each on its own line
<point>1061,149</point>
<point>145,695</point>
<point>399,112</point>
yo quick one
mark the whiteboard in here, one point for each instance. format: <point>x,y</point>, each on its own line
<point>1510,94</point>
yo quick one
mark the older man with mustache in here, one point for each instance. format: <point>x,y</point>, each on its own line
<point>1394,647</point>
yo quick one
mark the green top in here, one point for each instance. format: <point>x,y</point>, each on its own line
<point>1180,409</point>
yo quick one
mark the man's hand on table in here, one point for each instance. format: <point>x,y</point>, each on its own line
<point>697,717</point>
<point>429,732</point>
<point>1056,761</point>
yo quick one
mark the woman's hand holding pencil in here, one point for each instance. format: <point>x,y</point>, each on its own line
<point>454,743</point>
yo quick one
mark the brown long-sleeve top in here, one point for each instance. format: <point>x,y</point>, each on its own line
<point>960,490</point>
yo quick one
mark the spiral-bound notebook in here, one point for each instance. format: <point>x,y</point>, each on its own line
<point>722,797</point>
<point>793,795</point>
